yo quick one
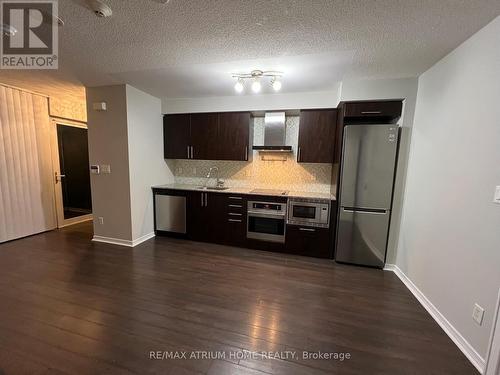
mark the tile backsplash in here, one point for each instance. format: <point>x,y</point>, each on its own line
<point>281,172</point>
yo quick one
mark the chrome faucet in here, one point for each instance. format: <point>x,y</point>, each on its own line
<point>219,182</point>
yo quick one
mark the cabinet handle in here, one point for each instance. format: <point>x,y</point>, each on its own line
<point>371,112</point>
<point>235,197</point>
<point>188,151</point>
<point>298,154</point>
<point>234,214</point>
<point>206,199</point>
<point>307,229</point>
<point>246,153</point>
<point>234,221</point>
<point>192,152</point>
<point>202,203</point>
<point>236,205</point>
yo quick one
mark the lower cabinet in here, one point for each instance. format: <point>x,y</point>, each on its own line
<point>309,241</point>
<point>218,218</point>
<point>222,218</point>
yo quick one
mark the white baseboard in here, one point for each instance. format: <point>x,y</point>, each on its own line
<point>128,243</point>
<point>466,348</point>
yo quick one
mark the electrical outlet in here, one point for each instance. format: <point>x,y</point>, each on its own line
<point>477,314</point>
<point>101,220</point>
<point>496,198</point>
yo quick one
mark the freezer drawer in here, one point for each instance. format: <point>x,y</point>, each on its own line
<point>368,164</point>
<point>170,213</point>
<point>362,237</point>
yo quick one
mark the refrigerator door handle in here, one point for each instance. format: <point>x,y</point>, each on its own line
<point>366,211</point>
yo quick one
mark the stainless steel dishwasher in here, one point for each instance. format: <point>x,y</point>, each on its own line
<point>170,213</point>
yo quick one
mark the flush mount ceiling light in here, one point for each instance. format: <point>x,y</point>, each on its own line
<point>257,76</point>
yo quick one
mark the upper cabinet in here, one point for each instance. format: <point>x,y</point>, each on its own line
<point>204,142</point>
<point>377,111</point>
<point>207,136</point>
<point>176,136</point>
<point>317,130</point>
<point>234,135</point>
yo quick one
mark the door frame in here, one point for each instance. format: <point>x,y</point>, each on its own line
<point>56,170</point>
<point>493,357</point>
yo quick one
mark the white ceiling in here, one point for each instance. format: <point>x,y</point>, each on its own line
<point>188,48</point>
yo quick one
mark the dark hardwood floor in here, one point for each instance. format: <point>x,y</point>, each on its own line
<point>69,306</point>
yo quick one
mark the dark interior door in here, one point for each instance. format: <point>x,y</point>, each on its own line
<point>176,136</point>
<point>204,136</point>
<point>317,136</point>
<point>74,166</point>
<point>234,131</point>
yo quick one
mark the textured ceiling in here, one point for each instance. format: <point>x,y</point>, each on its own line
<point>166,49</point>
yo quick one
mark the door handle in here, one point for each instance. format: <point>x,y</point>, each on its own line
<point>59,177</point>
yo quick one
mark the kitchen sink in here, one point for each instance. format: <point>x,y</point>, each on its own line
<point>212,188</point>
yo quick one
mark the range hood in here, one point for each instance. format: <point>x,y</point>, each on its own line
<point>274,133</point>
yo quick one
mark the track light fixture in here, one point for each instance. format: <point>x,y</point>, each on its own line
<point>257,76</point>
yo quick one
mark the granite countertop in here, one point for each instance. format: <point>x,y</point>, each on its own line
<point>236,190</point>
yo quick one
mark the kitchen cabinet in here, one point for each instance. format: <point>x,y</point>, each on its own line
<point>207,136</point>
<point>207,217</point>
<point>317,130</point>
<point>233,136</point>
<point>376,111</point>
<point>204,136</point>
<point>234,219</point>
<point>176,136</point>
<point>309,241</point>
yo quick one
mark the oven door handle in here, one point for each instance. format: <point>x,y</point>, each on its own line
<point>270,216</point>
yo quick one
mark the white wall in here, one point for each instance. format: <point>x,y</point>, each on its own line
<point>322,99</point>
<point>146,164</point>
<point>108,144</point>
<point>449,244</point>
<point>400,88</point>
<point>129,137</point>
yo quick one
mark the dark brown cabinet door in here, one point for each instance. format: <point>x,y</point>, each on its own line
<point>176,136</point>
<point>204,137</point>
<point>303,240</point>
<point>317,136</point>
<point>378,111</point>
<point>198,217</point>
<point>233,136</point>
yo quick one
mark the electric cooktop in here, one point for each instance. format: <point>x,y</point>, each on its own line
<point>269,192</point>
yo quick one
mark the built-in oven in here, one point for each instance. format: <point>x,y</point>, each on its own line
<point>266,221</point>
<point>310,212</point>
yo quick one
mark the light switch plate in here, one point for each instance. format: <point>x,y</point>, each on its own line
<point>496,198</point>
<point>477,314</point>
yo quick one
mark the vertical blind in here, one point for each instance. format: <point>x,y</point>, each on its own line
<point>26,187</point>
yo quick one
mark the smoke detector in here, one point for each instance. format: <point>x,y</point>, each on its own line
<point>99,8</point>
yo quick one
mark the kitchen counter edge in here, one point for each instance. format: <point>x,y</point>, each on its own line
<point>245,191</point>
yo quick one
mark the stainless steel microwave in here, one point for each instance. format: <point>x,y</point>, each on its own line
<point>311,212</point>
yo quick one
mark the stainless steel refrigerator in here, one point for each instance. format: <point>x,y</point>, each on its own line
<point>365,195</point>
